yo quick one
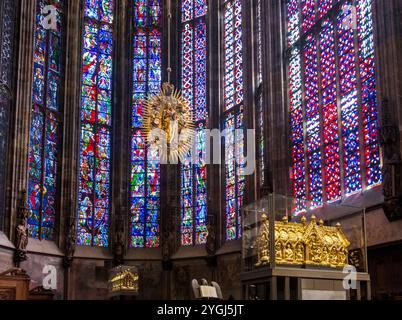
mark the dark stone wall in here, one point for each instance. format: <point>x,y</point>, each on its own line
<point>385,265</point>
<point>88,278</point>
<point>183,273</point>
<point>228,275</point>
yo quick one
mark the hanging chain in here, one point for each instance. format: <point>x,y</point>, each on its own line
<point>169,15</point>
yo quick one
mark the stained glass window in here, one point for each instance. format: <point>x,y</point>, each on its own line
<point>332,90</point>
<point>235,183</point>
<point>233,115</point>
<point>96,123</point>
<point>7,23</point>
<point>46,119</point>
<point>194,87</point>
<point>259,99</point>
<point>233,46</point>
<point>145,167</point>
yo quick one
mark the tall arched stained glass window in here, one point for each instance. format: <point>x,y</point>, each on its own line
<point>145,167</point>
<point>46,120</point>
<point>258,96</point>
<point>233,115</point>
<point>96,123</point>
<point>194,87</point>
<point>332,90</point>
<point>7,26</point>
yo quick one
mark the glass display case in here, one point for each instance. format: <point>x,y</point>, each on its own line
<point>309,240</point>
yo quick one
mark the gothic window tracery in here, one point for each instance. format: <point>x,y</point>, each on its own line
<point>145,166</point>
<point>46,121</point>
<point>333,100</point>
<point>194,87</point>
<point>233,116</point>
<point>96,124</point>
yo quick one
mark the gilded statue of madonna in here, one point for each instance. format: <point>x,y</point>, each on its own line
<point>168,123</point>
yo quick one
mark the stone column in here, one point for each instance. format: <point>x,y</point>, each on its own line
<point>21,116</point>
<point>388,34</point>
<point>121,132</point>
<point>71,136</point>
<point>387,15</point>
<point>170,218</point>
<point>249,72</point>
<point>214,171</point>
<point>275,96</point>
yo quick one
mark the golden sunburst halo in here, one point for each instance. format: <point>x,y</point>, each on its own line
<point>168,124</point>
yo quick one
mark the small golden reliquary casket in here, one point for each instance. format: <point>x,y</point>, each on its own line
<point>124,280</point>
<point>303,243</point>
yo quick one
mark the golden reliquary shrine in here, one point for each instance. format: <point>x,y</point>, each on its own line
<point>303,243</point>
<point>124,281</point>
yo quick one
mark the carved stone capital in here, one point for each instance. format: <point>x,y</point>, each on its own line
<point>392,164</point>
<point>22,232</point>
<point>211,240</point>
<point>119,243</point>
<point>71,240</point>
<point>5,93</point>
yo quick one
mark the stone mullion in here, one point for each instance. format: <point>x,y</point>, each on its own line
<point>121,125</point>
<point>21,117</point>
<point>170,216</point>
<point>388,57</point>
<point>277,94</point>
<point>214,171</point>
<point>387,34</point>
<point>71,136</point>
<point>266,91</point>
<point>249,71</point>
<point>72,89</point>
<point>174,196</point>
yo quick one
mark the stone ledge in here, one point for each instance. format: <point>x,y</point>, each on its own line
<point>365,199</point>
<point>92,253</point>
<point>143,254</point>
<point>5,242</point>
<point>190,253</point>
<point>43,247</point>
<point>230,247</point>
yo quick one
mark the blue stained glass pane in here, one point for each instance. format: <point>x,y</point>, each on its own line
<point>44,131</point>
<point>193,83</point>
<point>96,120</point>
<point>92,9</point>
<point>233,98</point>
<point>147,77</point>
<point>141,13</point>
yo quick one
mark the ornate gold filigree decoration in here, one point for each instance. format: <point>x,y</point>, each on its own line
<point>168,123</point>
<point>303,243</point>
